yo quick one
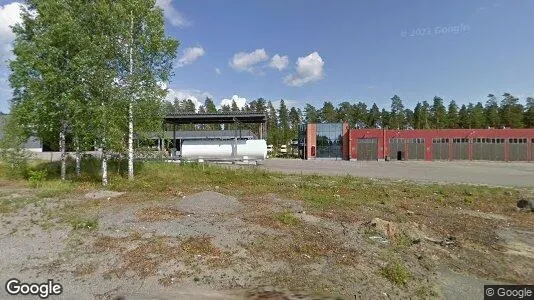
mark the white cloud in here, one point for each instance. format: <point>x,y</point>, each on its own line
<point>190,55</point>
<point>9,16</point>
<point>243,61</point>
<point>196,96</point>
<point>279,62</point>
<point>238,100</point>
<point>217,70</point>
<point>171,14</point>
<point>309,68</point>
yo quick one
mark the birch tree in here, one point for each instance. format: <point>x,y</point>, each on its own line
<point>150,59</point>
<point>44,70</point>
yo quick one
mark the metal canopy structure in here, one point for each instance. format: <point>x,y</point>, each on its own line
<point>216,118</point>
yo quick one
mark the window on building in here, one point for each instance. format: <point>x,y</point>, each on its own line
<point>329,140</point>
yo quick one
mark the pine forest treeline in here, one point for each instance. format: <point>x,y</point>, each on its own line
<point>283,121</point>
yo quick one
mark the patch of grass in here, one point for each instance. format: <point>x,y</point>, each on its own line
<point>56,189</point>
<point>84,223</point>
<point>426,292</point>
<point>152,214</point>
<point>402,242</point>
<point>159,179</point>
<point>11,205</point>
<point>108,243</point>
<point>287,218</point>
<point>199,245</point>
<point>396,272</point>
<point>36,178</point>
<point>144,260</point>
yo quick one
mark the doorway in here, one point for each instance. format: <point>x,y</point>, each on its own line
<point>399,155</point>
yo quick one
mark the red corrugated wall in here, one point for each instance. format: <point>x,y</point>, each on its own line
<point>383,137</point>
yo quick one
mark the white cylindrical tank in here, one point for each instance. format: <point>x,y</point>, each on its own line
<point>224,149</point>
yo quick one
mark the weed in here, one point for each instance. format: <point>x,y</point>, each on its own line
<point>84,223</point>
<point>36,178</point>
<point>426,292</point>
<point>402,242</point>
<point>10,205</point>
<point>152,214</point>
<point>55,189</point>
<point>396,272</point>
<point>199,245</point>
<point>288,218</point>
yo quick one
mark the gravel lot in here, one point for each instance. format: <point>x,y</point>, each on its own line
<point>489,173</point>
<point>209,245</point>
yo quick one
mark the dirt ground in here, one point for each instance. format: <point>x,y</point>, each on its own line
<point>519,174</point>
<point>209,245</point>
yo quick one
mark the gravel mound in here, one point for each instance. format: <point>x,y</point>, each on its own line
<point>102,194</point>
<point>209,203</point>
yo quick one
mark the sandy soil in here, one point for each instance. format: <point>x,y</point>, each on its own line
<point>212,246</point>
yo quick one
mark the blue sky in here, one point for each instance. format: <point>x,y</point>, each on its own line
<point>346,50</point>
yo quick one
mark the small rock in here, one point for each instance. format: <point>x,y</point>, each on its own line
<point>409,212</point>
<point>386,228</point>
<point>525,204</point>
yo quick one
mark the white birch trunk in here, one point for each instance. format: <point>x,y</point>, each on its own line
<point>130,112</point>
<point>130,144</point>
<point>63,152</point>
<point>104,167</point>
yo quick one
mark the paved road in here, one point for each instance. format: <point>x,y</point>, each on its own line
<point>488,173</point>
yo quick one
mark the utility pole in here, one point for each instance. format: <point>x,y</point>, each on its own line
<point>130,108</point>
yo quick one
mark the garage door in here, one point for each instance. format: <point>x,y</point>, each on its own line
<point>396,149</point>
<point>460,149</point>
<point>488,149</point>
<point>416,148</point>
<point>440,149</point>
<point>518,149</point>
<point>367,149</point>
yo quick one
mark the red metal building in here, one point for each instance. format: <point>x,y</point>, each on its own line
<point>428,144</point>
<point>442,144</point>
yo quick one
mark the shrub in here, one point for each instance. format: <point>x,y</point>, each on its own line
<point>396,272</point>
<point>36,178</point>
